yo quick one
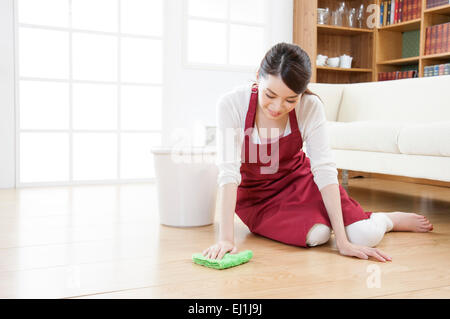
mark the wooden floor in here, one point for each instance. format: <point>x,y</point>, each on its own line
<point>106,242</point>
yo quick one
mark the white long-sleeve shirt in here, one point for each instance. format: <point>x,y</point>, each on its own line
<point>231,110</point>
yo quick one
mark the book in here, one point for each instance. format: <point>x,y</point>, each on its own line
<point>437,39</point>
<point>433,40</point>
<point>414,10</point>
<point>436,3</point>
<point>393,11</point>
<point>419,8</point>
<point>445,29</point>
<point>437,70</point>
<point>385,12</point>
<point>398,75</point>
<point>388,18</point>
<point>381,13</point>
<point>400,11</point>
<point>440,32</point>
<point>405,9</point>
<point>436,36</point>
<point>448,38</point>
<point>408,9</point>
<point>428,40</point>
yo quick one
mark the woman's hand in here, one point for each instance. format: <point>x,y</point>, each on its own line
<point>363,252</point>
<point>217,251</point>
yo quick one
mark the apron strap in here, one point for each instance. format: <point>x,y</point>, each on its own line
<point>249,119</point>
<point>293,121</point>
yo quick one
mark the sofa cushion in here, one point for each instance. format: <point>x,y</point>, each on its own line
<point>365,136</point>
<point>425,139</point>
<point>417,100</point>
<point>418,166</point>
<point>331,95</point>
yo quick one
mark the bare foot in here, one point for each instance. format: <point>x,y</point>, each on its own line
<point>410,222</point>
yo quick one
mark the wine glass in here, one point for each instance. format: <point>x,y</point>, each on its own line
<point>338,14</point>
<point>323,15</point>
<point>342,11</point>
<point>360,16</point>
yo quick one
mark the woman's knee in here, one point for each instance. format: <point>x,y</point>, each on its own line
<point>364,233</point>
<point>318,234</point>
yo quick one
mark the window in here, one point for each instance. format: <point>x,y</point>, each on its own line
<point>89,90</point>
<point>225,33</point>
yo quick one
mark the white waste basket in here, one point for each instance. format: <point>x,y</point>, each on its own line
<point>186,182</point>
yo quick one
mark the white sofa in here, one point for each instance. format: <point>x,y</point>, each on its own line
<point>399,127</point>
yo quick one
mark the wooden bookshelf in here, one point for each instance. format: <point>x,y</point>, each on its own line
<point>430,17</point>
<point>403,26</point>
<point>401,61</point>
<point>344,69</point>
<point>373,50</point>
<point>330,29</point>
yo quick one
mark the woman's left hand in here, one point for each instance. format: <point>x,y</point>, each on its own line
<point>363,252</point>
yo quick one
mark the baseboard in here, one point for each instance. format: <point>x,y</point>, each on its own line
<point>354,174</point>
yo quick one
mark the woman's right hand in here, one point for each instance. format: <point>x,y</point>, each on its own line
<point>217,251</point>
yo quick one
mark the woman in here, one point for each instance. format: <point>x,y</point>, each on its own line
<point>274,188</point>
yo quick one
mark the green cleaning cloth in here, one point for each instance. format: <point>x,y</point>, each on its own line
<point>228,260</point>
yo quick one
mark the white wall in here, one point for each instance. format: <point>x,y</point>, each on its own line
<point>7,119</point>
<point>182,107</point>
<point>189,95</point>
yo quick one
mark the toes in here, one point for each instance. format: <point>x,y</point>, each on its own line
<point>423,219</point>
<point>425,228</point>
<point>427,224</point>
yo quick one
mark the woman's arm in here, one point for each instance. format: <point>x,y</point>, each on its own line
<point>325,174</point>
<point>227,203</point>
<point>228,143</point>
<point>323,165</point>
<point>332,200</point>
<point>226,208</point>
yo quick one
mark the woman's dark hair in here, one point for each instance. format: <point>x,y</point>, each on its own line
<point>291,63</point>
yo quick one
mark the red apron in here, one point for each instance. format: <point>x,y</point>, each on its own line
<point>285,204</point>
